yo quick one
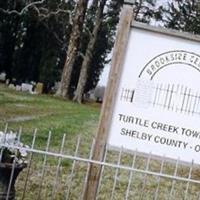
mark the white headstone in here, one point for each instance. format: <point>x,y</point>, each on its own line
<point>7,81</point>
<point>11,86</point>
<point>3,76</point>
<point>26,87</point>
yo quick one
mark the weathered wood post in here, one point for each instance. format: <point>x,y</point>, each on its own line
<point>111,91</point>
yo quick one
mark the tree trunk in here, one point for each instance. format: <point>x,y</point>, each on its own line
<point>88,55</point>
<point>78,21</point>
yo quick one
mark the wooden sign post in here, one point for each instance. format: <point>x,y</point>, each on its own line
<point>111,90</point>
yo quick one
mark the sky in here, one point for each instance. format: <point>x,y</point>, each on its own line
<point>104,76</point>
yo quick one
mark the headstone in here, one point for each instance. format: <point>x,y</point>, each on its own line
<point>91,95</point>
<point>26,87</point>
<point>7,81</point>
<point>11,86</point>
<point>56,85</point>
<point>3,76</point>
<point>39,88</point>
<point>99,93</point>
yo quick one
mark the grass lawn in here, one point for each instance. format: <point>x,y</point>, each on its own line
<point>46,113</point>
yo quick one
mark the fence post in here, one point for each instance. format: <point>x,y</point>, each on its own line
<point>108,103</point>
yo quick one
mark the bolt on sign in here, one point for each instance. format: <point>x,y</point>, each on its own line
<point>157,106</point>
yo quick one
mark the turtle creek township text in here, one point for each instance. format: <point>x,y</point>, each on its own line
<point>153,128</point>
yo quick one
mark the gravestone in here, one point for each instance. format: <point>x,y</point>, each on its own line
<point>11,86</point>
<point>26,87</point>
<point>3,77</point>
<point>39,88</point>
<point>7,81</point>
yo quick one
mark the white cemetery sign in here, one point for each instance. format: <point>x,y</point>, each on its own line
<point>152,100</point>
<point>157,106</point>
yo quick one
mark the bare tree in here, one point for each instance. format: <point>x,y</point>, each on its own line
<point>78,22</point>
<point>88,55</point>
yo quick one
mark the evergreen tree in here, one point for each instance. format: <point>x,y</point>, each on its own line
<point>34,43</point>
<point>183,15</point>
<point>8,34</point>
<point>40,41</point>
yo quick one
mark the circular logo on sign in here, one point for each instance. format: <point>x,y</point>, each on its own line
<point>169,59</point>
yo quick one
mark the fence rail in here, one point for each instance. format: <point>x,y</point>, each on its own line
<point>61,173</point>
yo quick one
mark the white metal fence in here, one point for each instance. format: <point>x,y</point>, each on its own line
<point>53,173</point>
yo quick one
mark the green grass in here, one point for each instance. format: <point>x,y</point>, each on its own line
<point>46,113</point>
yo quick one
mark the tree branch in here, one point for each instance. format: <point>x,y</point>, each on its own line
<point>45,16</point>
<point>24,9</point>
<point>42,12</point>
